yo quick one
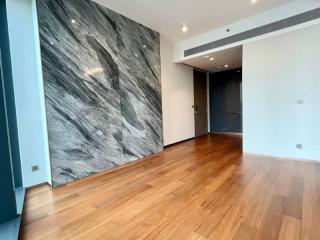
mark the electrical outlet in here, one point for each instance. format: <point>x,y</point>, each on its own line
<point>35,168</point>
<point>300,101</point>
<point>299,146</point>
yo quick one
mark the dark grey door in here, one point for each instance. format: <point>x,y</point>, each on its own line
<point>200,103</point>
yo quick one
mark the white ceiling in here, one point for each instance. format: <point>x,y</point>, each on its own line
<point>168,16</point>
<point>231,57</point>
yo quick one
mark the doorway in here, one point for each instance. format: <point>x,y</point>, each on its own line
<point>200,103</point>
<point>226,101</point>
<point>218,91</point>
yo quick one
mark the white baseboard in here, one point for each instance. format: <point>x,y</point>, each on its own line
<point>283,157</point>
<point>227,133</point>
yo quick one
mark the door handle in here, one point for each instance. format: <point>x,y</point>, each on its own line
<point>195,107</point>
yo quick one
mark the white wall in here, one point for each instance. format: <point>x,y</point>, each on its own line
<point>177,96</point>
<point>277,73</point>
<point>28,86</point>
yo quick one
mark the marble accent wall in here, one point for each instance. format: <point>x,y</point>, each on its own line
<point>101,75</point>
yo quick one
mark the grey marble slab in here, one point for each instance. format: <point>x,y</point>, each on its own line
<point>101,74</point>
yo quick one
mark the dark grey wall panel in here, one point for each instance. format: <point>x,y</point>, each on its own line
<point>102,87</point>
<point>225,101</point>
<point>272,27</point>
<point>8,209</point>
<point>10,99</point>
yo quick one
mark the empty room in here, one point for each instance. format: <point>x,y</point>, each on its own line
<point>145,119</point>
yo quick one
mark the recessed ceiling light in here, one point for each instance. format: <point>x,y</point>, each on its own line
<point>211,59</point>
<point>185,28</point>
<point>226,65</point>
<point>73,21</point>
<point>144,46</point>
<point>254,1</point>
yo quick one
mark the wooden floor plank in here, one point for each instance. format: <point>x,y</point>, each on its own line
<point>200,189</point>
<point>311,202</point>
<point>290,228</point>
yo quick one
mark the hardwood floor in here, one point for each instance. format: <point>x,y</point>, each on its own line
<point>200,189</point>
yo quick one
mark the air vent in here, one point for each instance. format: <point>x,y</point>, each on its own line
<point>272,27</point>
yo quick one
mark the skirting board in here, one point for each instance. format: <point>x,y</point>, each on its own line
<point>182,141</point>
<point>227,133</point>
<point>283,157</point>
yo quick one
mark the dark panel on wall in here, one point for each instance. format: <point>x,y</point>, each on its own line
<point>7,196</point>
<point>10,101</point>
<point>102,86</point>
<point>225,101</point>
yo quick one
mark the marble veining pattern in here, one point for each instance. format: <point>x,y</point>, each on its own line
<point>101,74</point>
